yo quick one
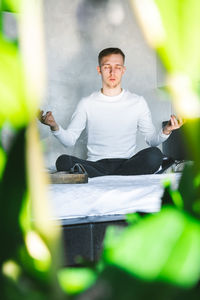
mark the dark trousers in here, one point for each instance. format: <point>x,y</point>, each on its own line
<point>146,161</point>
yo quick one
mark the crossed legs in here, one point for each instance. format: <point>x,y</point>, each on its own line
<point>146,161</point>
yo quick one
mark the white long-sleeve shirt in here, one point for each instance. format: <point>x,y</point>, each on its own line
<point>111,124</point>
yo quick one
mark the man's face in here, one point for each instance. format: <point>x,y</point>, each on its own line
<point>111,70</point>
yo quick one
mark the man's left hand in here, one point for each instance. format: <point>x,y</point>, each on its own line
<point>173,123</point>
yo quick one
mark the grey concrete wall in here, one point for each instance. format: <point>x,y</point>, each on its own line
<point>75,32</point>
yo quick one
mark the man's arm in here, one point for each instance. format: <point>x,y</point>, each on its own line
<point>69,136</point>
<point>152,137</point>
<point>173,123</point>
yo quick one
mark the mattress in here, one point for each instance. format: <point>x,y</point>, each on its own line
<point>108,198</point>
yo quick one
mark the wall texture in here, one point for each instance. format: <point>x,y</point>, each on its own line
<point>75,32</point>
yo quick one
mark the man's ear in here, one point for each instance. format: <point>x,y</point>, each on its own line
<point>99,69</point>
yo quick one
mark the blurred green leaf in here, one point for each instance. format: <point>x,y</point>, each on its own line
<point>132,218</point>
<point>37,271</point>
<point>14,106</point>
<point>11,5</point>
<point>192,133</point>
<point>164,246</point>
<point>172,196</point>
<point>24,290</point>
<point>177,198</point>
<point>116,283</point>
<point>30,268</point>
<point>11,270</point>
<point>181,21</point>
<point>187,188</point>
<point>25,214</point>
<point>74,281</point>
<point>1,18</point>
<point>2,160</point>
<point>12,193</point>
<point>2,157</point>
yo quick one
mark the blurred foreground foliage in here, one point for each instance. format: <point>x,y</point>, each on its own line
<point>156,256</point>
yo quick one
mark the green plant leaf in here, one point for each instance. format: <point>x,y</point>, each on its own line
<point>74,281</point>
<point>14,106</point>
<point>187,188</point>
<point>2,161</point>
<point>181,22</point>
<point>2,156</point>
<point>11,5</point>
<point>12,193</point>
<point>116,283</point>
<point>164,246</point>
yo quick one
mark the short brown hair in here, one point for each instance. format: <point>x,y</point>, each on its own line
<point>108,51</point>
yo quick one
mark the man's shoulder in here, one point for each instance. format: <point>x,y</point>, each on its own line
<point>90,97</point>
<point>134,97</point>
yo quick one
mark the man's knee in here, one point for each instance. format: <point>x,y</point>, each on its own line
<point>154,156</point>
<point>156,151</point>
<point>63,162</point>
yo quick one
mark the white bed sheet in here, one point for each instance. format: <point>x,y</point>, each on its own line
<point>109,196</point>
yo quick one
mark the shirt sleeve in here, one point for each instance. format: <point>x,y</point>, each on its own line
<point>69,136</point>
<point>146,127</point>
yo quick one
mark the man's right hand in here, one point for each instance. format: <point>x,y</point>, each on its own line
<point>48,119</point>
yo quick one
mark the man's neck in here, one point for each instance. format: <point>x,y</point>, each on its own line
<point>111,92</point>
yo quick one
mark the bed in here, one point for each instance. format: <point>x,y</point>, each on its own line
<point>85,210</point>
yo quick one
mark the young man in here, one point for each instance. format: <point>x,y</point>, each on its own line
<point>112,117</point>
